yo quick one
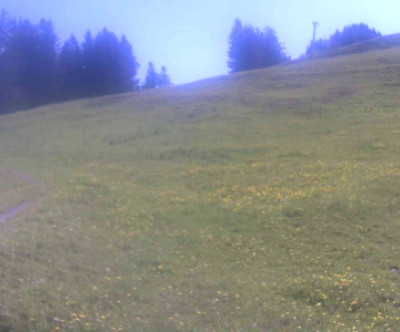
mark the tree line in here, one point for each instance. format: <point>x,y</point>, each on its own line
<point>250,48</point>
<point>34,70</point>
<point>350,34</point>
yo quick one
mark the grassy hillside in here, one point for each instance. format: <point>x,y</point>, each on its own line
<point>262,201</point>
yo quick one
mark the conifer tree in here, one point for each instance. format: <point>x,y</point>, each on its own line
<point>350,34</point>
<point>33,71</point>
<point>70,70</point>
<point>88,64</point>
<point>151,80</point>
<point>28,61</point>
<point>128,66</point>
<point>235,53</point>
<point>163,78</point>
<point>109,65</point>
<point>250,48</point>
<point>6,25</point>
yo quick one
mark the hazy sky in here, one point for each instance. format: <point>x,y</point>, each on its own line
<point>190,37</point>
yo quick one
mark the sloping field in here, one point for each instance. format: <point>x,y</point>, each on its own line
<point>263,201</point>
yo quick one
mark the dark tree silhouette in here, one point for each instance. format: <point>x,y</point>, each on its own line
<point>102,65</point>
<point>33,71</point>
<point>28,62</point>
<point>106,61</point>
<point>156,80</point>
<point>6,24</point>
<point>250,48</point>
<point>128,66</point>
<point>88,65</point>
<point>163,78</point>
<point>109,65</point>
<point>151,80</point>
<point>70,70</point>
<point>235,52</point>
<point>351,34</point>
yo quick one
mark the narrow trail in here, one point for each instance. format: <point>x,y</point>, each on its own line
<point>11,213</point>
<point>35,187</point>
<point>25,177</point>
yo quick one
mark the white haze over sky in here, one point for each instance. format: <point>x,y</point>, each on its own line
<point>190,37</point>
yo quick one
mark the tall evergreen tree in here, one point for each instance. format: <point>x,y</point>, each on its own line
<point>109,64</point>
<point>250,48</point>
<point>272,51</point>
<point>88,65</point>
<point>128,66</point>
<point>29,57</point>
<point>235,53</point>
<point>163,78</point>
<point>45,63</point>
<point>106,51</point>
<point>151,81</point>
<point>70,70</point>
<point>7,24</point>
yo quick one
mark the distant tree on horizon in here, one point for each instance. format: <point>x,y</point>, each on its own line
<point>350,34</point>
<point>151,77</point>
<point>250,48</point>
<point>163,78</point>
<point>353,33</point>
<point>156,80</point>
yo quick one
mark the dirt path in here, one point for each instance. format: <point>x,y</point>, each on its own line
<point>25,177</point>
<point>18,193</point>
<point>11,213</point>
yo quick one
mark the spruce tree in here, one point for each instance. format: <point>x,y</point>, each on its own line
<point>88,65</point>
<point>350,34</point>
<point>128,66</point>
<point>29,59</point>
<point>6,26</point>
<point>109,64</point>
<point>163,78</point>
<point>70,70</point>
<point>151,81</point>
<point>235,53</point>
<point>250,48</point>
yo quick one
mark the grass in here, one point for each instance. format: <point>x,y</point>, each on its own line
<point>262,201</point>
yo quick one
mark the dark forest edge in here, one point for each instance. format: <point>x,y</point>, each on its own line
<point>351,34</point>
<point>34,70</point>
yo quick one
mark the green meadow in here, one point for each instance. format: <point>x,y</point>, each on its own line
<point>262,201</point>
